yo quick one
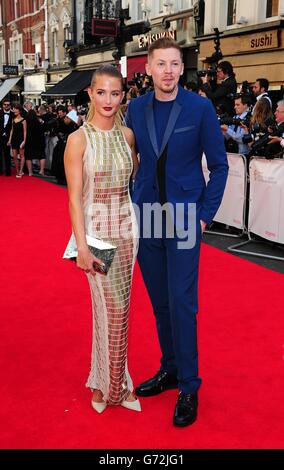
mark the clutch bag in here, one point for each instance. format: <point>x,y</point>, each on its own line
<point>102,250</point>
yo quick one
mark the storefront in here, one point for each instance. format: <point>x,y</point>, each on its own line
<point>10,89</point>
<point>72,87</point>
<point>181,28</point>
<point>255,52</point>
<point>33,86</point>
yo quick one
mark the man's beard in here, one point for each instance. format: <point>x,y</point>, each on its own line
<point>171,91</point>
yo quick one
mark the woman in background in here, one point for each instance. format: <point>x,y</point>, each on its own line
<point>17,139</point>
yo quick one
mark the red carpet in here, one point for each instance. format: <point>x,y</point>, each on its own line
<point>46,340</point>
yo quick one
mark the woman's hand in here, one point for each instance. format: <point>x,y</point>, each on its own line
<point>22,145</point>
<point>86,260</point>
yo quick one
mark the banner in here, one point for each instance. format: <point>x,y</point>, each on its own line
<point>231,210</point>
<point>266,211</point>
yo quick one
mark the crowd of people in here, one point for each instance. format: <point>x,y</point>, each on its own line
<point>249,124</point>
<point>33,138</point>
<point>39,133</point>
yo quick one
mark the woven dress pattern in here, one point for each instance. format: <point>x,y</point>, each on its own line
<point>109,215</point>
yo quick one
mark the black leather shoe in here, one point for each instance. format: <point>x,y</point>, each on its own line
<point>159,383</point>
<point>186,409</point>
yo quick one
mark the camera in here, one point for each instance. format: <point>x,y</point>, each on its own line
<point>210,72</point>
<point>234,121</point>
<point>260,146</point>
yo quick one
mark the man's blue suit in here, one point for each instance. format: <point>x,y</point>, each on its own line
<point>170,274</point>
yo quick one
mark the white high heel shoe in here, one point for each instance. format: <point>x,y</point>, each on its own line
<point>132,405</point>
<point>99,406</point>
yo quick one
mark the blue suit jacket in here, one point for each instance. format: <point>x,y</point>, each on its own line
<point>192,129</point>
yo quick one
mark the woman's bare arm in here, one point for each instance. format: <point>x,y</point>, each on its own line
<point>73,162</point>
<point>129,135</point>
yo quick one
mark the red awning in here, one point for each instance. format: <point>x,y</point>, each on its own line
<point>135,64</point>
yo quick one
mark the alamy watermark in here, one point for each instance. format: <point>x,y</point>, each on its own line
<point>113,219</point>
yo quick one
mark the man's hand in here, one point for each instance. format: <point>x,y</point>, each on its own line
<point>274,139</point>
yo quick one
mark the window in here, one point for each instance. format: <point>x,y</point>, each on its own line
<point>67,33</point>
<point>55,47</point>
<point>231,15</point>
<point>139,10</point>
<point>16,8</point>
<point>161,6</point>
<point>184,4</point>
<point>1,14</point>
<point>272,8</point>
<point>2,55</point>
<point>16,49</point>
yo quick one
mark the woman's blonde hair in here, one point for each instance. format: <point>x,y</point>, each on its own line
<point>110,71</point>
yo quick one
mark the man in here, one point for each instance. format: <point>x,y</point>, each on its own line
<point>28,105</point>
<point>223,96</point>
<point>260,90</point>
<point>6,120</point>
<point>234,133</point>
<point>172,128</point>
<point>275,146</point>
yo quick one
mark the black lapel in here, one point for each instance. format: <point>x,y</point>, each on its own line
<point>150,121</point>
<point>176,109</point>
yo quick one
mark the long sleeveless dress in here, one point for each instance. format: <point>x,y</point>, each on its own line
<point>109,214</point>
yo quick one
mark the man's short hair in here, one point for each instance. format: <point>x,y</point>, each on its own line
<point>245,98</point>
<point>61,108</point>
<point>164,43</point>
<point>263,83</point>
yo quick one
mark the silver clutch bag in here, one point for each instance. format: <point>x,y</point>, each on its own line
<point>102,250</point>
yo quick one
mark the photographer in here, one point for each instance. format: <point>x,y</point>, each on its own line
<point>222,97</point>
<point>276,142</point>
<point>234,133</point>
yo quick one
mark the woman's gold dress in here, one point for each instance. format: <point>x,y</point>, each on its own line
<point>109,214</point>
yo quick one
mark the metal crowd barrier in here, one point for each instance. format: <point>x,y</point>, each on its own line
<point>266,205</point>
<point>232,211</point>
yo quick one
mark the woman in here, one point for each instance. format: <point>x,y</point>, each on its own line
<point>258,125</point>
<point>17,139</point>
<point>35,142</point>
<point>99,161</point>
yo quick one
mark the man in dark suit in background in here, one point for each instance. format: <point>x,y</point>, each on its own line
<point>223,97</point>
<point>6,119</point>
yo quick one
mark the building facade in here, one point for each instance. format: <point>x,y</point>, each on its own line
<point>251,38</point>
<point>22,47</point>
<point>167,18</point>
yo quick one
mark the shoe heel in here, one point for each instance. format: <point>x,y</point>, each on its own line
<point>132,405</point>
<point>98,406</point>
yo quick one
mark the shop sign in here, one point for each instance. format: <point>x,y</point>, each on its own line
<point>258,41</point>
<point>146,39</point>
<point>103,28</point>
<point>10,69</point>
